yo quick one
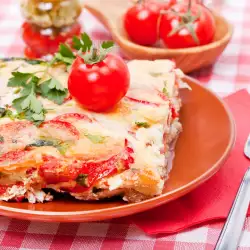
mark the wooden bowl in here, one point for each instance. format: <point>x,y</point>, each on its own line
<point>111,12</point>
<point>200,152</point>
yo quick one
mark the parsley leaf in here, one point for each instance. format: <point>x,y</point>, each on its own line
<point>57,96</point>
<point>2,112</point>
<point>164,90</point>
<point>37,119</point>
<point>142,124</point>
<point>107,44</point>
<point>65,55</point>
<point>1,139</point>
<point>54,84</point>
<point>53,90</point>
<point>76,43</point>
<point>27,105</point>
<point>17,103</point>
<point>64,59</point>
<point>65,51</point>
<point>84,44</point>
<point>95,138</point>
<point>31,102</point>
<point>19,79</point>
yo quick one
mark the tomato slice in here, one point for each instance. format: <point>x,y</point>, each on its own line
<point>16,135</point>
<point>55,171</point>
<point>94,171</point>
<point>84,173</point>
<point>72,117</point>
<point>60,130</point>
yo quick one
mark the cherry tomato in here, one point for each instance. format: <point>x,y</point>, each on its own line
<point>141,23</point>
<point>191,32</point>
<point>41,42</point>
<point>60,130</point>
<point>72,117</point>
<point>99,86</point>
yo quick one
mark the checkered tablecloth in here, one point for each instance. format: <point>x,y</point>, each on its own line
<point>230,73</point>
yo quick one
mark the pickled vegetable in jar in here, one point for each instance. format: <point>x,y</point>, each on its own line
<point>51,13</point>
<point>49,23</point>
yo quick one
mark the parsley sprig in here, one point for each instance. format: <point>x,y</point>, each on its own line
<point>27,105</point>
<point>86,49</point>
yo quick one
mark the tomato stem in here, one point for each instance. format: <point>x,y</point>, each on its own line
<point>94,53</point>
<point>186,21</point>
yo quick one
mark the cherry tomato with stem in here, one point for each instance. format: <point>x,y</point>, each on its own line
<point>98,82</point>
<point>187,25</point>
<point>141,22</point>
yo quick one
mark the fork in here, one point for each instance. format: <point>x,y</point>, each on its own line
<point>231,232</point>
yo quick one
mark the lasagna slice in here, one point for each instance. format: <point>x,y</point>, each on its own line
<point>126,152</point>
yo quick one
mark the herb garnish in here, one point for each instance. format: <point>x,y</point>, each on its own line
<point>29,86</point>
<point>27,105</point>
<point>61,146</point>
<point>82,179</point>
<point>164,90</point>
<point>1,139</point>
<point>92,54</point>
<point>142,124</point>
<point>4,112</point>
<point>96,139</point>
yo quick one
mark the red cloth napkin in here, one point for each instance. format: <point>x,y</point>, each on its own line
<point>212,200</point>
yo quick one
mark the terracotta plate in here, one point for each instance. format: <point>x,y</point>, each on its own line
<point>203,146</point>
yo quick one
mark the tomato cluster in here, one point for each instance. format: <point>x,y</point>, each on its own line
<point>41,42</point>
<point>178,25</point>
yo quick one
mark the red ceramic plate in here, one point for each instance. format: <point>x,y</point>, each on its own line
<point>207,139</point>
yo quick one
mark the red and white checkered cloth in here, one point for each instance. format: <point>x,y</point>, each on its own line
<point>230,73</point>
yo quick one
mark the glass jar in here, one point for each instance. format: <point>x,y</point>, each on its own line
<point>49,23</point>
<point>51,13</point>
